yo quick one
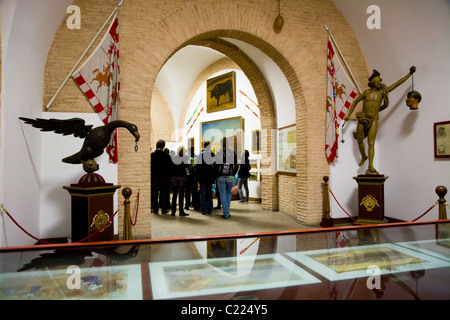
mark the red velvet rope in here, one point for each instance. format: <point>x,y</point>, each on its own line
<point>425,212</point>
<point>362,223</point>
<point>342,207</point>
<point>46,242</point>
<point>137,208</point>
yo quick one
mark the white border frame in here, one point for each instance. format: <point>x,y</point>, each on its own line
<point>429,262</point>
<point>133,282</point>
<point>245,265</point>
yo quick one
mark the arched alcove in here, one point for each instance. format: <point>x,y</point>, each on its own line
<point>264,93</point>
<point>151,34</point>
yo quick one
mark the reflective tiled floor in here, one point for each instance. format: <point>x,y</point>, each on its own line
<point>245,218</point>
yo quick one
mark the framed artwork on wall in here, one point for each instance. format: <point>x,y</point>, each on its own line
<point>442,139</point>
<point>256,141</point>
<point>221,92</point>
<point>286,150</point>
<point>190,144</point>
<point>214,131</point>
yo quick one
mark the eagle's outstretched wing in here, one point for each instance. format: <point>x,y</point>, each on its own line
<point>75,126</point>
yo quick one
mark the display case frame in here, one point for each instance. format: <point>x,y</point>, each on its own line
<point>144,260</point>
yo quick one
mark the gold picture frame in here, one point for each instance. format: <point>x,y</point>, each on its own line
<point>256,141</point>
<point>221,92</point>
<point>190,145</point>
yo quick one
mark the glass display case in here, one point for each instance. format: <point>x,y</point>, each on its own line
<point>393,261</point>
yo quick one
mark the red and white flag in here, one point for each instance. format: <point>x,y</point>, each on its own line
<point>99,80</point>
<point>340,94</point>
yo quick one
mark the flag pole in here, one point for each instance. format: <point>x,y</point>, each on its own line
<point>342,58</point>
<point>84,53</point>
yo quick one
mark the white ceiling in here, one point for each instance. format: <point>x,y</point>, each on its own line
<point>179,73</point>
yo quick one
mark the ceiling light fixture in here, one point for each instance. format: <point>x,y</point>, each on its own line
<point>279,20</point>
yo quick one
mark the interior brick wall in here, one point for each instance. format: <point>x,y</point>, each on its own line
<point>163,127</point>
<point>152,30</point>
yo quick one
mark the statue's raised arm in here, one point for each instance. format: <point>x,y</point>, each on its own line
<point>399,82</point>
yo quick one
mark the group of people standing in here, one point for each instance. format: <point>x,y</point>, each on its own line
<point>191,178</point>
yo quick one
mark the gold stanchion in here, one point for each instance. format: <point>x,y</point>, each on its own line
<point>327,221</point>
<point>127,234</point>
<point>441,191</point>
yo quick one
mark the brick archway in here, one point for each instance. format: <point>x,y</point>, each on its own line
<point>269,183</point>
<point>152,31</point>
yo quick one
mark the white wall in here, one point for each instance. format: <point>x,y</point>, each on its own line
<point>413,32</point>
<point>283,99</point>
<point>27,32</point>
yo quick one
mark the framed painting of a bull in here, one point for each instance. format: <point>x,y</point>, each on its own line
<point>221,92</point>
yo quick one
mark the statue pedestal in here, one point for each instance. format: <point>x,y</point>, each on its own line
<point>370,198</point>
<point>92,207</point>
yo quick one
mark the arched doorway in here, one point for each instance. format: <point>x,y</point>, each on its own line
<point>265,99</point>
<point>151,34</point>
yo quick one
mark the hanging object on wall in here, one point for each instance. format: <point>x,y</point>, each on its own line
<point>221,92</point>
<point>342,89</point>
<point>198,114</point>
<point>193,113</point>
<point>413,97</point>
<point>279,20</point>
<point>250,109</point>
<point>245,95</point>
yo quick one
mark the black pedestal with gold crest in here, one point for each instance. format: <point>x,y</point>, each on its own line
<point>370,198</point>
<point>92,207</point>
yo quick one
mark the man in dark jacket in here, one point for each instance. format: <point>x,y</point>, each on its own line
<point>160,178</point>
<point>192,196</point>
<point>243,175</point>
<point>205,176</point>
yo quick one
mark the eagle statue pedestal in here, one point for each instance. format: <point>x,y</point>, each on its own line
<point>370,198</point>
<point>92,197</point>
<point>92,207</point>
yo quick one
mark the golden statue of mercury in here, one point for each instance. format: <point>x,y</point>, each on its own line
<point>375,99</point>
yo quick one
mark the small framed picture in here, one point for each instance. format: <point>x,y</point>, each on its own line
<point>442,139</point>
<point>256,141</point>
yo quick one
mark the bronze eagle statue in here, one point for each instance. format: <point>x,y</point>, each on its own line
<point>95,139</point>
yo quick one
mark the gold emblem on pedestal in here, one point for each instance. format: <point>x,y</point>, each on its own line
<point>369,202</point>
<point>99,221</point>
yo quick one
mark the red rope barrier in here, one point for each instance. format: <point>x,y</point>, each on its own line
<point>46,242</point>
<point>424,212</point>
<point>20,227</point>
<point>137,208</point>
<point>342,207</point>
<point>362,223</point>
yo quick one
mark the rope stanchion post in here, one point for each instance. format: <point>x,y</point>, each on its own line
<point>327,221</point>
<point>127,233</point>
<point>441,191</point>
